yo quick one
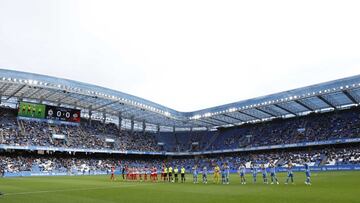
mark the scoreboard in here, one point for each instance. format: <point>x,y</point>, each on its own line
<point>43,111</point>
<point>62,114</point>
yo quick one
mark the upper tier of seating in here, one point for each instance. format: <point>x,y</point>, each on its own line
<point>313,127</point>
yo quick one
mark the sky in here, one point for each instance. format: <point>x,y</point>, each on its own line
<point>188,54</point>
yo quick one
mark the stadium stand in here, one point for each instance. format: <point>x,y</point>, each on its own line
<point>318,124</point>
<point>77,165</point>
<point>313,127</point>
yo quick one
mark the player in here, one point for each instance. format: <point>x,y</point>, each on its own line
<point>123,171</point>
<point>140,172</point>
<point>273,173</point>
<point>227,168</point>
<point>308,174</point>
<point>195,174</point>
<point>182,170</point>
<point>127,173</point>
<point>223,174</point>
<point>146,171</point>
<point>152,174</point>
<point>133,173</point>
<point>156,174</point>
<point>165,173</point>
<point>242,171</point>
<point>204,175</point>
<point>170,174</point>
<point>216,174</point>
<point>254,171</point>
<point>112,177</point>
<point>290,173</point>
<point>264,174</point>
<point>176,173</point>
<point>162,177</point>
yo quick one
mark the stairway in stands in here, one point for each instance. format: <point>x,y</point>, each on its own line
<point>211,140</point>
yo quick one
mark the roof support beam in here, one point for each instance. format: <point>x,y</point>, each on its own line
<point>326,101</point>
<point>248,115</point>
<point>16,91</point>
<point>285,109</point>
<point>304,105</point>
<point>144,116</point>
<point>266,112</point>
<point>48,95</point>
<point>5,87</point>
<point>77,100</point>
<point>233,117</point>
<point>33,93</point>
<point>214,121</point>
<point>4,84</point>
<point>347,93</point>
<point>207,122</point>
<point>221,120</point>
<point>67,95</point>
<point>105,105</point>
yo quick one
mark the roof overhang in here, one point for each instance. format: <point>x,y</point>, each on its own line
<point>337,94</point>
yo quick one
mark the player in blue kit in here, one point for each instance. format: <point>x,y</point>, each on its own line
<point>195,174</point>
<point>290,173</point>
<point>204,175</point>
<point>227,168</point>
<point>242,169</point>
<point>254,171</point>
<point>264,174</point>
<point>273,173</point>
<point>308,174</point>
<point>223,174</point>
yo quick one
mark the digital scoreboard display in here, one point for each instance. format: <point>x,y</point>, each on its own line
<point>42,111</point>
<point>31,110</point>
<point>62,114</point>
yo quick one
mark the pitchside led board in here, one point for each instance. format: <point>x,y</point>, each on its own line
<point>43,111</point>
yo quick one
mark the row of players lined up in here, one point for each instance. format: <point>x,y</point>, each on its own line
<point>171,174</point>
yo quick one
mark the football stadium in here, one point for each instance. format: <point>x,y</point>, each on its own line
<point>90,93</point>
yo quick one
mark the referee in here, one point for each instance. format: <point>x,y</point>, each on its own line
<point>182,171</point>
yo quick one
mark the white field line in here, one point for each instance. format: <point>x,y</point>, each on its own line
<point>70,190</point>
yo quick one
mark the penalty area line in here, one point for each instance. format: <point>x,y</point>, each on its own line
<point>69,190</point>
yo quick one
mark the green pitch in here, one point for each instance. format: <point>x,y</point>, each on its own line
<point>326,187</point>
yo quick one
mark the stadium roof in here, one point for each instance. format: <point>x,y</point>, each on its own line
<point>16,86</point>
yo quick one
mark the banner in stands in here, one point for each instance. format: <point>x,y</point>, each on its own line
<point>279,170</point>
<point>29,173</point>
<point>63,149</point>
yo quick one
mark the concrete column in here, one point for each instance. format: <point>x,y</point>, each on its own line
<point>132,124</point>
<point>90,114</point>
<point>120,120</point>
<point>104,118</point>
<point>158,128</point>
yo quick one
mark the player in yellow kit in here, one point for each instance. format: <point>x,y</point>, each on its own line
<point>216,174</point>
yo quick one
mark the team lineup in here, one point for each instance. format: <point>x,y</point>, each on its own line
<point>220,174</point>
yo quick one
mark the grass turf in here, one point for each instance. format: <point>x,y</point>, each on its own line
<point>327,187</point>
